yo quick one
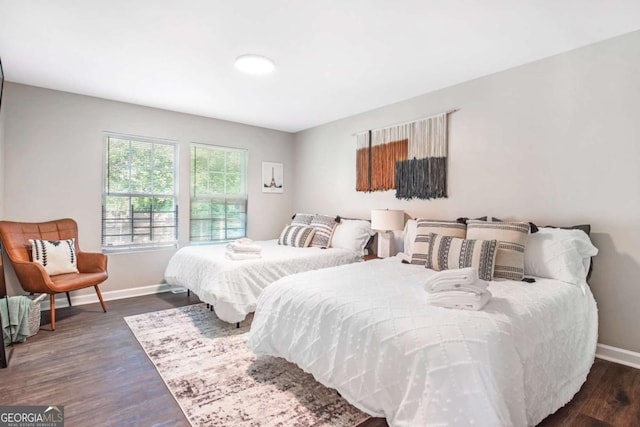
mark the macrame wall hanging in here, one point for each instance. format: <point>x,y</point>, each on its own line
<point>410,158</point>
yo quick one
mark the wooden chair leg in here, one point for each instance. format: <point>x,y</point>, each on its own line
<point>52,310</point>
<point>68,298</point>
<point>104,308</point>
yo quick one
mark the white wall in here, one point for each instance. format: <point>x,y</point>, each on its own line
<point>53,157</point>
<point>554,142</point>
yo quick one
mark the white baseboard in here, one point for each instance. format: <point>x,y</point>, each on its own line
<point>618,355</point>
<point>61,299</point>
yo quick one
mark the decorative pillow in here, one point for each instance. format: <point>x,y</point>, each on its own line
<point>559,254</point>
<point>512,239</point>
<point>299,236</point>
<point>449,253</point>
<point>302,219</point>
<point>425,227</point>
<point>352,235</point>
<point>56,256</point>
<point>324,225</point>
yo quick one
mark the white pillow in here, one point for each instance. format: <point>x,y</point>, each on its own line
<point>56,256</point>
<point>410,232</point>
<point>352,235</point>
<point>559,254</point>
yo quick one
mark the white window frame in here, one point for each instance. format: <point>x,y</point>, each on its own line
<point>132,247</point>
<point>244,194</point>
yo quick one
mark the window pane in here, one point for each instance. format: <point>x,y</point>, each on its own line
<point>141,160</point>
<point>117,165</point>
<point>163,169</point>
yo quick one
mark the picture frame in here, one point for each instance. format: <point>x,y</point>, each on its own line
<point>272,177</point>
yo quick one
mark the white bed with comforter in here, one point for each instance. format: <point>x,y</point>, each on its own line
<point>367,331</point>
<point>233,287</point>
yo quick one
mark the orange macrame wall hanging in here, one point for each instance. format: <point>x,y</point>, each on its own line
<point>410,158</point>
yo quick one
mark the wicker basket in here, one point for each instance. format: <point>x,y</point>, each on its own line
<point>34,314</point>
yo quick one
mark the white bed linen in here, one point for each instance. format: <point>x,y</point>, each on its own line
<point>232,286</point>
<point>367,330</point>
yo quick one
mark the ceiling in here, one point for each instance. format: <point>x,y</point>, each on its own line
<point>334,58</point>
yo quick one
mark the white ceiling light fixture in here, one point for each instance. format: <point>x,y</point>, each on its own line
<point>254,64</point>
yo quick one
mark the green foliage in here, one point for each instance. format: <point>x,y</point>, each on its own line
<point>139,204</point>
<point>218,193</point>
<point>139,167</point>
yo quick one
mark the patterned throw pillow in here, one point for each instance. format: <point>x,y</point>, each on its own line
<point>299,236</point>
<point>425,227</point>
<point>449,253</point>
<point>324,225</point>
<point>302,219</point>
<point>512,239</point>
<point>56,256</point>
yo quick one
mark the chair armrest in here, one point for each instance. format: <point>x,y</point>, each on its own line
<point>32,277</point>
<point>92,262</point>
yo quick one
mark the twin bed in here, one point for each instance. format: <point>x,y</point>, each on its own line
<point>367,331</point>
<point>233,287</point>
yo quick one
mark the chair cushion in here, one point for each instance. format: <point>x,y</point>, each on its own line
<point>73,281</point>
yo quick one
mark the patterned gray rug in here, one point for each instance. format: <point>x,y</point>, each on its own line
<point>218,381</point>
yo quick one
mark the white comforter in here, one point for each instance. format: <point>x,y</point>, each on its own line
<point>233,287</point>
<point>367,331</point>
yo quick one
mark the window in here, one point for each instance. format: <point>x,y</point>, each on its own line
<point>218,193</point>
<point>139,201</point>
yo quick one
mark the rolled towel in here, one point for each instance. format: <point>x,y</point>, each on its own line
<point>447,278</point>
<point>244,248</point>
<point>460,300</point>
<point>239,256</point>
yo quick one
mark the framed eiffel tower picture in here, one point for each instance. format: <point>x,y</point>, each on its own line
<point>272,177</point>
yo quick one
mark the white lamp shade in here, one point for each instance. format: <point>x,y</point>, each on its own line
<point>387,220</point>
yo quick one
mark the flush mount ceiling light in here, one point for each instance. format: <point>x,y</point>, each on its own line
<point>254,64</point>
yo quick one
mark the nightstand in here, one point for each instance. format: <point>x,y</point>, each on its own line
<point>370,257</point>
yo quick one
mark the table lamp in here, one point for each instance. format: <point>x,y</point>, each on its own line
<point>385,221</point>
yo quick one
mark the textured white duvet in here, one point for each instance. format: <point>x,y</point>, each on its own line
<point>233,287</point>
<point>366,330</point>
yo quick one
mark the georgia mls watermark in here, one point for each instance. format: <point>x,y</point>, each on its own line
<point>31,416</point>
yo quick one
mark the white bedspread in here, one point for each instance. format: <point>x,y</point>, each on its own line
<point>233,287</point>
<point>367,330</point>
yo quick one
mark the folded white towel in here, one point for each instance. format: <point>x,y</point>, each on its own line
<point>459,300</point>
<point>447,278</point>
<point>244,248</point>
<point>244,241</point>
<point>477,287</point>
<point>238,256</point>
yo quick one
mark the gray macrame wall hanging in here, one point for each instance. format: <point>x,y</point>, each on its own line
<point>410,158</point>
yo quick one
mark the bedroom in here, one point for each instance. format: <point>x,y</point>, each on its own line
<point>550,138</point>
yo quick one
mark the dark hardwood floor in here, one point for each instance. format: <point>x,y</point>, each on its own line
<point>93,365</point>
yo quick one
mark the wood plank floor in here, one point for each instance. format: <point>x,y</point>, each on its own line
<point>93,365</point>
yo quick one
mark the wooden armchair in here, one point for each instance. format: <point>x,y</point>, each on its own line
<point>33,278</point>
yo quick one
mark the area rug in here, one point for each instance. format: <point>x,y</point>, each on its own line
<point>218,381</point>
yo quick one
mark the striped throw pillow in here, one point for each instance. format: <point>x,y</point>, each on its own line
<point>324,225</point>
<point>302,219</point>
<point>299,236</point>
<point>425,227</point>
<point>449,253</point>
<point>56,256</point>
<point>512,239</point>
